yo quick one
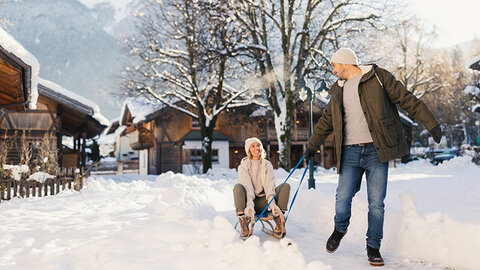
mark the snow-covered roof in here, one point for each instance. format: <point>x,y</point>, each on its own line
<point>139,107</point>
<point>106,139</point>
<point>114,123</point>
<point>262,111</point>
<point>472,90</point>
<point>73,99</point>
<point>13,47</point>
<point>120,130</point>
<point>474,63</point>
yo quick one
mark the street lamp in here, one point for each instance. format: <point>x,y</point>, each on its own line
<point>477,123</point>
<point>305,93</point>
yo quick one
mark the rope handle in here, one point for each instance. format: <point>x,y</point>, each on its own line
<point>266,207</point>
<point>296,192</point>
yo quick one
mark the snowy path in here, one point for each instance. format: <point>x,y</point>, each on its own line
<point>186,222</point>
<point>351,255</point>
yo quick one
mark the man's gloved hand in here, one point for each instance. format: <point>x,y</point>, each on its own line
<point>309,154</point>
<point>436,133</point>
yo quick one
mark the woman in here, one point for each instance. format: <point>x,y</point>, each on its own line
<point>256,187</point>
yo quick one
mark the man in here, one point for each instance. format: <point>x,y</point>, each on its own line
<point>362,113</point>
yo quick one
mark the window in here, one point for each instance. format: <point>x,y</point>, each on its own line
<point>195,123</point>
<point>215,156</point>
<point>236,120</point>
<point>196,156</point>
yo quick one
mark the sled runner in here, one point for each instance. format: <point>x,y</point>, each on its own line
<point>265,220</point>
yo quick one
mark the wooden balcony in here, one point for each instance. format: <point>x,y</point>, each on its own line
<point>141,139</point>
<point>298,134</point>
<point>26,120</point>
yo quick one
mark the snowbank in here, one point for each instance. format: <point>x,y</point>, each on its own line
<point>16,170</point>
<point>41,177</point>
<point>173,221</point>
<point>436,237</point>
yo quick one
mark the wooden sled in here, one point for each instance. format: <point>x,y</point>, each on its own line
<point>266,221</point>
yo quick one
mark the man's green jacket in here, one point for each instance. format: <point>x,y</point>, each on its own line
<point>378,99</point>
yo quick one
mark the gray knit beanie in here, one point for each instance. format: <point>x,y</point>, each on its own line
<point>345,56</point>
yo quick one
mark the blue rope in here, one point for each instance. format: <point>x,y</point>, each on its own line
<point>266,207</point>
<point>296,192</point>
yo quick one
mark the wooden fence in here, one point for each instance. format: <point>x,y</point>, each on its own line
<point>10,188</point>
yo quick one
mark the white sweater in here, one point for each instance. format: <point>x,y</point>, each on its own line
<point>356,127</point>
<point>258,180</point>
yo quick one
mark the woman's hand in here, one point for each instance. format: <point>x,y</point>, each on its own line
<point>275,209</point>
<point>250,211</point>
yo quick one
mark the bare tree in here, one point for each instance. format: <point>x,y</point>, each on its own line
<point>47,154</point>
<point>473,89</point>
<point>412,39</point>
<point>26,149</point>
<point>6,144</point>
<point>187,54</point>
<point>449,103</point>
<point>297,36</point>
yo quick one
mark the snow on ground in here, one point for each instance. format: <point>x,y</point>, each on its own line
<point>173,221</point>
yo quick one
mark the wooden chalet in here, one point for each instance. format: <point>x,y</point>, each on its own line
<point>16,91</point>
<point>75,117</point>
<point>168,140</point>
<point>156,139</point>
<point>34,108</point>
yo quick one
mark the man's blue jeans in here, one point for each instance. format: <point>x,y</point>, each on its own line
<point>355,161</point>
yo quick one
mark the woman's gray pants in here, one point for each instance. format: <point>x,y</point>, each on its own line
<point>240,198</point>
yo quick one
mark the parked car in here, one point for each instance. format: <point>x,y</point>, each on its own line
<point>445,155</point>
<point>412,158</point>
<point>431,153</point>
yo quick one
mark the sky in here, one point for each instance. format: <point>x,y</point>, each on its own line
<point>456,20</point>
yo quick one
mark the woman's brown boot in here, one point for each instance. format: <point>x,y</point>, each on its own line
<point>279,231</point>
<point>245,232</point>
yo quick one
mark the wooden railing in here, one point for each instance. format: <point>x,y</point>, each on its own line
<point>11,188</point>
<point>118,167</point>
<point>298,134</point>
